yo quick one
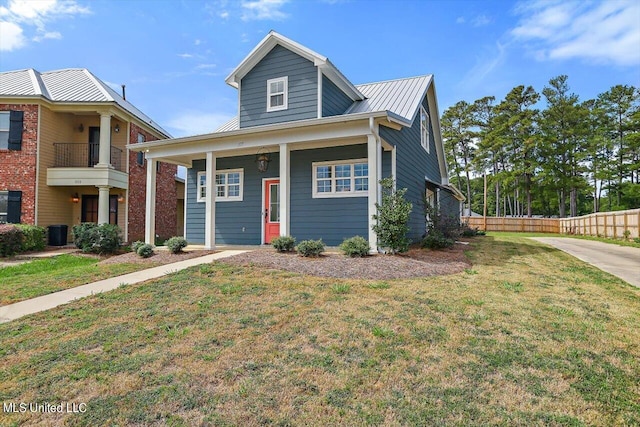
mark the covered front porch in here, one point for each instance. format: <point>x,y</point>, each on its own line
<point>320,181</point>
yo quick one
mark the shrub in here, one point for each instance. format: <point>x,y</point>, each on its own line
<point>145,251</point>
<point>136,245</point>
<point>34,237</point>
<point>467,231</point>
<point>311,248</point>
<point>636,240</point>
<point>436,240</point>
<point>392,218</point>
<point>10,239</point>
<point>176,244</point>
<point>355,246</point>
<point>283,243</point>
<point>100,239</point>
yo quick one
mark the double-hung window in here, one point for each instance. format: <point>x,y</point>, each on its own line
<point>277,94</point>
<point>345,178</point>
<point>424,128</point>
<point>4,129</point>
<point>4,206</point>
<point>228,185</point>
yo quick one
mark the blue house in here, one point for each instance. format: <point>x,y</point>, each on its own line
<point>306,152</point>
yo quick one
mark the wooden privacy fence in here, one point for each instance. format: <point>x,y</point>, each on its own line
<point>528,225</point>
<point>603,224</point>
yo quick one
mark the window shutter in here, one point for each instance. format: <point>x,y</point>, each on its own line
<point>14,207</point>
<point>15,130</point>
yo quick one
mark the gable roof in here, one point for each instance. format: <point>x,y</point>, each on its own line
<point>400,98</point>
<point>270,41</point>
<point>68,85</point>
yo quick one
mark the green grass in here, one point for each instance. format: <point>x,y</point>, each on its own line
<point>44,276</point>
<point>532,337</point>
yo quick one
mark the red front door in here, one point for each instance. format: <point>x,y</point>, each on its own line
<point>271,209</point>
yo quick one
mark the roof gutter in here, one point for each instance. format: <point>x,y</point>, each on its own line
<point>143,146</point>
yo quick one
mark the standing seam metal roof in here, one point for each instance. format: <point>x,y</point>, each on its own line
<point>68,85</point>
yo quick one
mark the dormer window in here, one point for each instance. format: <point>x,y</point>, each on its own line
<point>277,94</point>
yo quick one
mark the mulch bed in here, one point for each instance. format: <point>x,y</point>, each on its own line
<point>415,263</point>
<point>158,258</point>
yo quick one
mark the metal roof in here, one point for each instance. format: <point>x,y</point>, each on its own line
<point>401,97</point>
<point>230,125</point>
<point>68,85</point>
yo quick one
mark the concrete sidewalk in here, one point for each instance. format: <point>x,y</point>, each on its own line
<point>621,261</point>
<point>45,302</point>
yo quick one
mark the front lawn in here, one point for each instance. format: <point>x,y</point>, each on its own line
<point>527,336</point>
<point>44,276</point>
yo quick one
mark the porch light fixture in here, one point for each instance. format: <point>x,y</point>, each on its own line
<point>120,198</point>
<point>81,128</point>
<point>116,128</point>
<point>262,159</point>
<point>75,198</point>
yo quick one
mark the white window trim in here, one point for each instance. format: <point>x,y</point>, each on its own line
<point>424,133</point>
<point>238,198</point>
<point>285,94</point>
<point>6,213</point>
<point>8,113</point>
<point>333,193</point>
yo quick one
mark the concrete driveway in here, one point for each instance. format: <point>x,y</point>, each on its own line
<point>621,261</point>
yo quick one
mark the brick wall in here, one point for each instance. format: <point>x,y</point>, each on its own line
<point>166,197</point>
<point>18,168</point>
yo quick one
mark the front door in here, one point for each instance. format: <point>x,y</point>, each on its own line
<point>90,209</point>
<point>271,209</point>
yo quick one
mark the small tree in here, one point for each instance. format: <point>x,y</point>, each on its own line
<point>392,218</point>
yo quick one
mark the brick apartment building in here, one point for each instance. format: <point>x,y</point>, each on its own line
<point>63,155</point>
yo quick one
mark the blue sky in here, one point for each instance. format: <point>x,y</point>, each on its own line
<point>173,56</point>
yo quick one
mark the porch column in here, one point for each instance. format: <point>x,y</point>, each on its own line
<point>210,202</point>
<point>103,204</point>
<point>150,208</point>
<point>373,152</point>
<point>285,191</point>
<point>105,141</point>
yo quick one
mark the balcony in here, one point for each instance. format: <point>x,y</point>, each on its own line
<point>72,155</point>
<point>75,165</point>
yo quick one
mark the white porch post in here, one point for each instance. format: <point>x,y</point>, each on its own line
<point>285,190</point>
<point>104,159</point>
<point>373,152</point>
<point>150,208</point>
<point>103,204</point>
<point>210,202</point>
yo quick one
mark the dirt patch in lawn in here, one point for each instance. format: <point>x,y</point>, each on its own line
<point>415,263</point>
<point>158,258</point>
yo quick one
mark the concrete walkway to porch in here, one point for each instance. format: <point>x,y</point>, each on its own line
<point>46,302</point>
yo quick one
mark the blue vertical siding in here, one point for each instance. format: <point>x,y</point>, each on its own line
<point>449,205</point>
<point>413,165</point>
<point>303,89</point>
<point>334,101</point>
<point>331,219</point>
<point>238,223</point>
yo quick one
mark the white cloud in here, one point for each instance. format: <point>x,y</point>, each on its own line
<point>11,36</point>
<point>259,10</point>
<point>460,20</point>
<point>606,32</point>
<point>197,122</point>
<point>21,15</point>
<point>224,14</point>
<point>480,21</point>
<point>185,55</point>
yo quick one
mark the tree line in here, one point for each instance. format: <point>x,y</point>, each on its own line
<point>570,158</point>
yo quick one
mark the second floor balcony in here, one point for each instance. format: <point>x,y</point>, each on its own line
<point>74,166</point>
<point>78,155</point>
